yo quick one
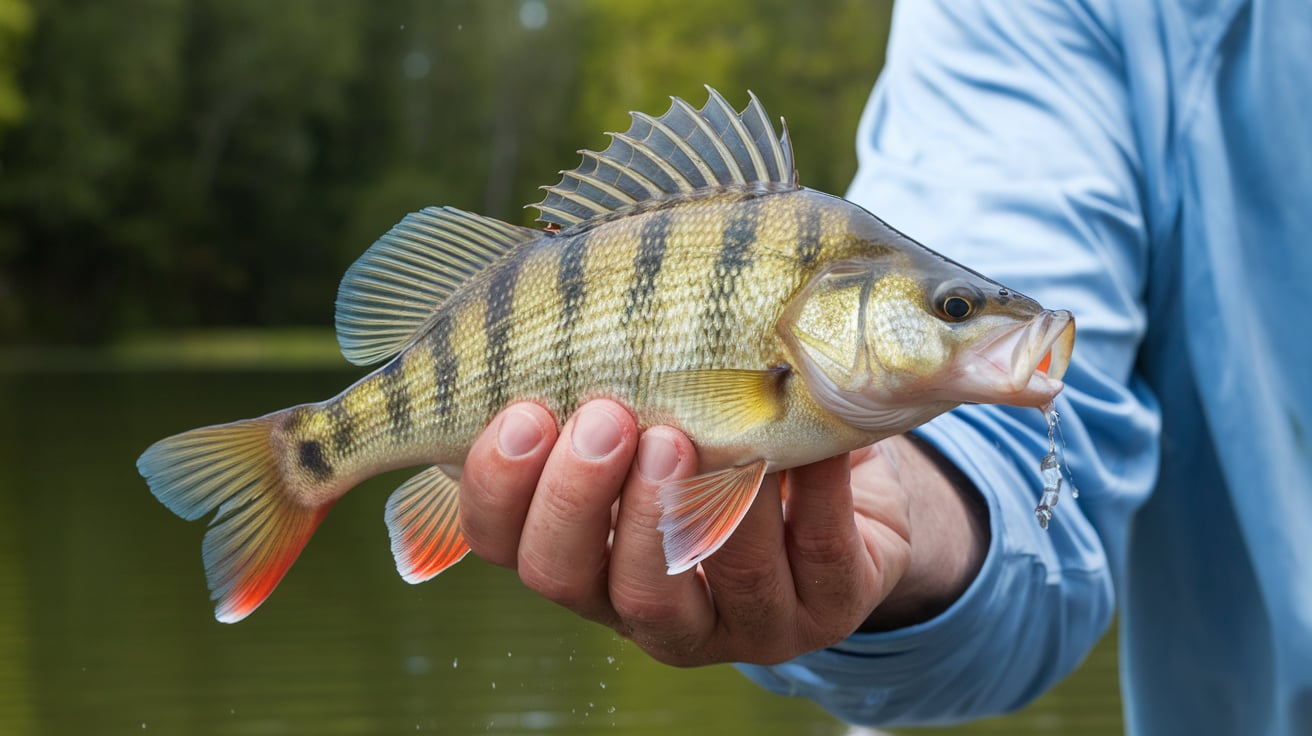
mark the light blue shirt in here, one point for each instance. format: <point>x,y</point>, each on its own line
<point>1147,165</point>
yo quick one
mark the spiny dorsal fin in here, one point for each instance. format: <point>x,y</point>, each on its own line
<point>390,294</point>
<point>683,151</point>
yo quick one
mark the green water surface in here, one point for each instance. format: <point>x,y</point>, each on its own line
<point>106,627</point>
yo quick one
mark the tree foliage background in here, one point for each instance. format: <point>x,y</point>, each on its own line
<point>168,163</point>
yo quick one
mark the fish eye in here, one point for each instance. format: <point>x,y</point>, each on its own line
<point>957,301</point>
<point>956,307</point>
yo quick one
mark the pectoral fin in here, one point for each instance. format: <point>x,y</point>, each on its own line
<point>423,520</point>
<point>698,514</point>
<point>727,400</point>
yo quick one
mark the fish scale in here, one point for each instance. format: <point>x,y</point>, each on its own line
<point>687,276</point>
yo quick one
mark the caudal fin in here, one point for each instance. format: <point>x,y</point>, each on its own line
<point>260,527</point>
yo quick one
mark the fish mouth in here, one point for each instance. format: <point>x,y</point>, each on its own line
<point>1024,366</point>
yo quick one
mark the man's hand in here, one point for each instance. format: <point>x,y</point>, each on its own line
<point>576,515</point>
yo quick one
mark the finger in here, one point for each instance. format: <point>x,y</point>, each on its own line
<point>844,564</point>
<point>752,585</point>
<point>564,548</point>
<point>499,478</point>
<point>667,615</point>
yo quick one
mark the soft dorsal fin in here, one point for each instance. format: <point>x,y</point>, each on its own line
<point>390,294</point>
<point>682,151</point>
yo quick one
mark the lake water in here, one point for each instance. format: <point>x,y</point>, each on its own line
<point>106,627</point>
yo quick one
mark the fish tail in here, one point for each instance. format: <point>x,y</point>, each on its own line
<point>262,521</point>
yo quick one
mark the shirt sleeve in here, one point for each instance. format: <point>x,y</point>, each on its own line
<point>1001,135</point>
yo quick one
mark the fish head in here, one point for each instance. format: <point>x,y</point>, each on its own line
<point>889,340</point>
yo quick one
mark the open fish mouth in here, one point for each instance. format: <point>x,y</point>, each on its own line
<point>1024,366</point>
<point>1045,346</point>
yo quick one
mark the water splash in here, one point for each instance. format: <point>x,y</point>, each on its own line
<point>1050,468</point>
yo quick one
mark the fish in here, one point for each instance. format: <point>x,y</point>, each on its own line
<point>683,272</point>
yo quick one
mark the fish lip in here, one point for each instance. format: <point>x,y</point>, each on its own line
<point>1013,359</point>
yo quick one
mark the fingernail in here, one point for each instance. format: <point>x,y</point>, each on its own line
<point>657,457</point>
<point>596,434</point>
<point>519,433</point>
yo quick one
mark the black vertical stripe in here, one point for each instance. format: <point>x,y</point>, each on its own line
<point>808,234</point>
<point>734,258</point>
<point>496,324</point>
<point>446,365</point>
<point>343,424</point>
<point>569,281</point>
<point>397,393</point>
<point>648,261</point>
<point>570,276</point>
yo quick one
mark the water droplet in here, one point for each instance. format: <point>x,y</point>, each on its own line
<point>1051,472</point>
<point>455,663</point>
<point>1050,469</point>
<point>603,685</point>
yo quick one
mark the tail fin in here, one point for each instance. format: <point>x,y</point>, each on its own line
<point>260,527</point>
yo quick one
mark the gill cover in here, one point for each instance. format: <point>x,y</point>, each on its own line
<point>860,337</point>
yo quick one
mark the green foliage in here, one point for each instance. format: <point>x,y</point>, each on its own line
<point>15,25</point>
<point>811,62</point>
<point>220,162</point>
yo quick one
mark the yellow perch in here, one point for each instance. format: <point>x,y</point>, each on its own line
<point>685,274</point>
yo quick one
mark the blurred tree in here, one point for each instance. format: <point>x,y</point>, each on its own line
<point>812,63</point>
<point>220,162</point>
<point>15,25</point>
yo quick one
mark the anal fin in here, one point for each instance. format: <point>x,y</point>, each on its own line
<point>423,520</point>
<point>699,514</point>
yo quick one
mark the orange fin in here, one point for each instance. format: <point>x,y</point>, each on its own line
<point>423,520</point>
<point>259,530</point>
<point>698,514</point>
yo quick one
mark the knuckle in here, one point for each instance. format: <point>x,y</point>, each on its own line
<point>825,627</point>
<point>490,550</point>
<point>685,650</point>
<point>645,612</point>
<point>490,543</point>
<point>827,550</point>
<point>570,498</point>
<point>755,585</point>
<point>569,588</point>
<point>494,490</point>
